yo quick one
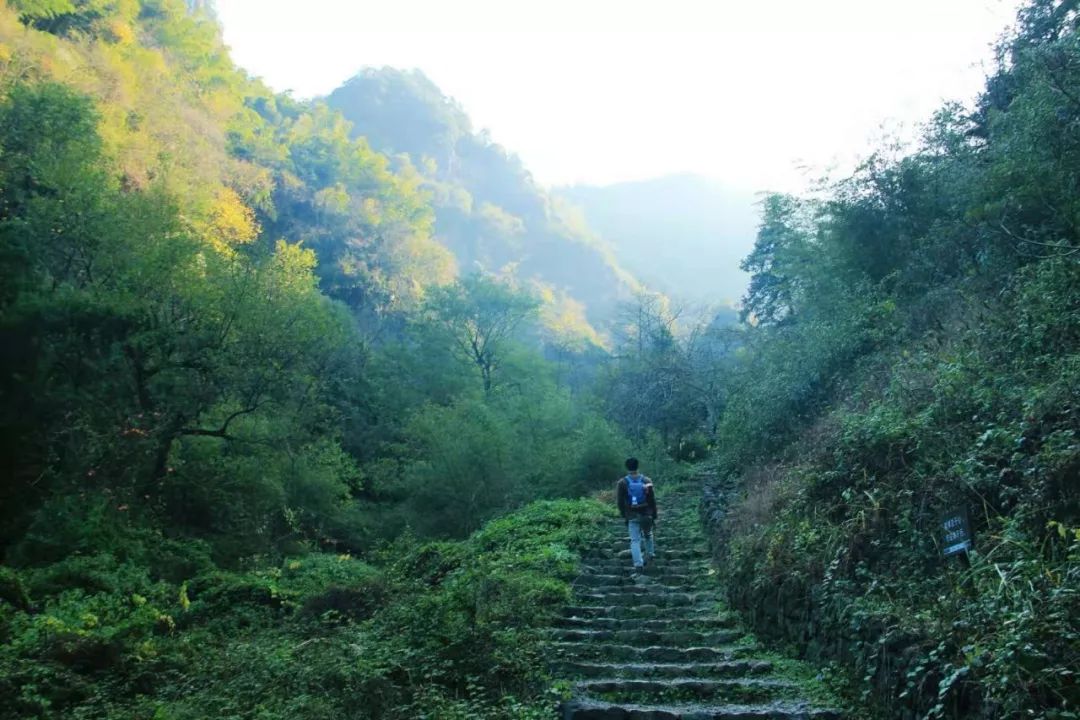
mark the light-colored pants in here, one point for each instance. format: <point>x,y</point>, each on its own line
<point>641,528</point>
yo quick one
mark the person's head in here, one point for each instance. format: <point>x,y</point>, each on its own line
<point>632,464</point>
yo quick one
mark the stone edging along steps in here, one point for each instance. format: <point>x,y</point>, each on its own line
<point>660,646</point>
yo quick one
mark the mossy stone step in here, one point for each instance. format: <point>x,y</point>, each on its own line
<point>614,652</point>
<point>642,637</point>
<point>726,668</point>
<point>623,553</point>
<point>600,710</point>
<point>692,545</point>
<point>656,600</point>
<point>690,689</point>
<point>646,586</point>
<point>621,564</point>
<point>659,577</point>
<point>690,622</point>
<point>646,612</point>
<point>657,644</point>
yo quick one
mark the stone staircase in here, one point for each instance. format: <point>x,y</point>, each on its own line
<point>660,646</point>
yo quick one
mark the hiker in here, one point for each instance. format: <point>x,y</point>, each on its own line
<point>637,505</point>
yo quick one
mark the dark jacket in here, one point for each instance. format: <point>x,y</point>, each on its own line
<point>622,497</point>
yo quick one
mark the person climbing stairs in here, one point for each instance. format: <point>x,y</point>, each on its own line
<point>660,645</point>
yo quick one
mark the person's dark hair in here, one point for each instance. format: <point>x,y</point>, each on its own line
<point>631,464</point>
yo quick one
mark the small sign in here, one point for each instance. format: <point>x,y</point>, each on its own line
<point>956,529</point>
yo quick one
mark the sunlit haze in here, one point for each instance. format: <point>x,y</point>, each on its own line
<point>759,95</point>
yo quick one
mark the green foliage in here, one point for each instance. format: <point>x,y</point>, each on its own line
<point>660,381</point>
<point>479,456</point>
<point>234,363</point>
<point>917,352</point>
<point>466,626</point>
<point>479,316</point>
<point>38,9</point>
<point>450,626</point>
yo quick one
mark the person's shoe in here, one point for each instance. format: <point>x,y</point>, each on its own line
<point>639,569</point>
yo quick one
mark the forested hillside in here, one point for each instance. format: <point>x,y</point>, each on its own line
<point>251,409</point>
<point>915,352</point>
<point>655,227</point>
<point>303,404</point>
<point>488,210</point>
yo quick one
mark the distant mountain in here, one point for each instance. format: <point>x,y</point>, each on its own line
<point>681,234</point>
<point>488,209</point>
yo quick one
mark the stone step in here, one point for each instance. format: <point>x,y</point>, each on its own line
<point>694,545</point>
<point>691,622</point>
<point>646,612</point>
<point>600,710</point>
<point>726,668</point>
<point>677,567</point>
<point>651,637</point>
<point>623,553</point>
<point>652,575</point>
<point>658,570</point>
<point>686,534</point>
<point>613,652</point>
<point>647,586</point>
<point>663,552</point>
<point>657,644</point>
<point>719,690</point>
<point>667,538</point>
<point>658,600</point>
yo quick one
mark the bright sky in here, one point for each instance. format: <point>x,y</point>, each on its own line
<point>600,91</point>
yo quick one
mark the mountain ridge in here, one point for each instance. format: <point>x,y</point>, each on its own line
<point>489,211</point>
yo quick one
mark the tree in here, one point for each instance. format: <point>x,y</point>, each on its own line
<point>776,261</point>
<point>650,386</point>
<point>480,315</point>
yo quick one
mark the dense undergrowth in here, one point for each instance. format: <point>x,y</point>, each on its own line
<point>917,352</point>
<point>442,629</point>
<point>837,545</point>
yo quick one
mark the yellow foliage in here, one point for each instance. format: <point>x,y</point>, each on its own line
<point>296,268</point>
<point>415,263</point>
<point>120,33</point>
<point>231,222</point>
<point>185,601</point>
<point>564,318</point>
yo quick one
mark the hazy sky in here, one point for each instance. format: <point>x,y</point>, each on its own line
<point>605,90</point>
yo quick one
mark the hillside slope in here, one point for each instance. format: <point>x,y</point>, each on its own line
<point>248,414</point>
<point>488,210</point>
<point>915,357</point>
